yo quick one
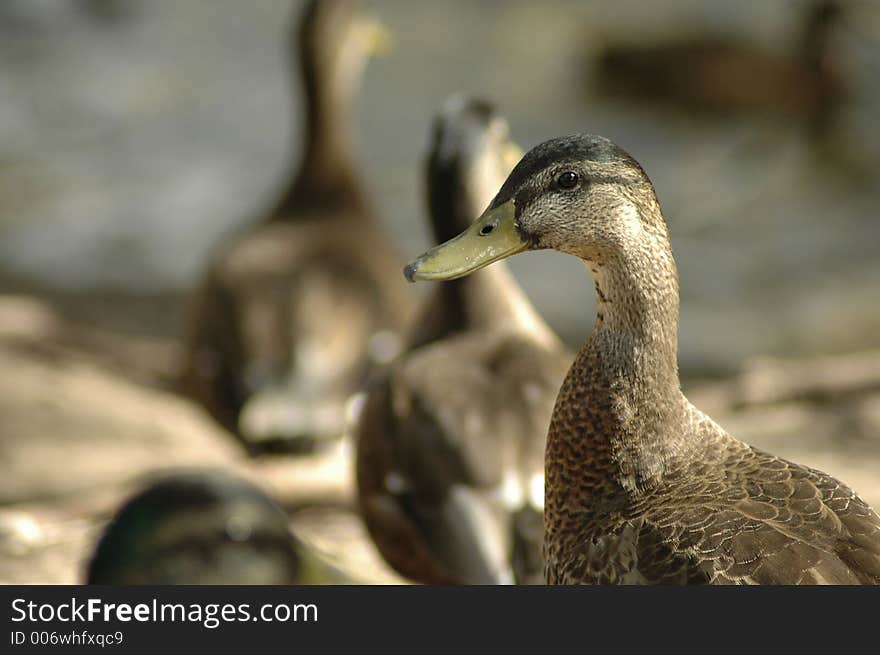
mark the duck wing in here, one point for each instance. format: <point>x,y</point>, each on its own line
<point>742,516</point>
<point>465,441</point>
<point>774,522</point>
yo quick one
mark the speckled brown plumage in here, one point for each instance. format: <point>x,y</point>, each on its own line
<point>451,437</point>
<point>293,311</point>
<point>640,486</point>
<point>722,512</point>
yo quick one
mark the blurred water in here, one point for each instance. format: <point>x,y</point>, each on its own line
<point>134,140</point>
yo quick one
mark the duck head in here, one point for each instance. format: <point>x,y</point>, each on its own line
<point>335,39</point>
<point>580,194</point>
<point>471,153</point>
<point>200,527</point>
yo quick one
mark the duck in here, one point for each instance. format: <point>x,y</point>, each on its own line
<point>294,310</point>
<point>203,527</point>
<point>641,487</point>
<point>450,440</point>
<point>712,74</point>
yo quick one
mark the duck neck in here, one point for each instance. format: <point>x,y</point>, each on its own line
<point>328,149</point>
<point>326,176</point>
<point>636,329</point>
<point>816,41</point>
<point>620,407</point>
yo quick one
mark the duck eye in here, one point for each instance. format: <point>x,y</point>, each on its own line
<point>567,180</point>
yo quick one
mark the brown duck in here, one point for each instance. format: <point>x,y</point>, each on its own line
<point>450,442</point>
<point>642,487</point>
<point>707,74</point>
<point>293,311</point>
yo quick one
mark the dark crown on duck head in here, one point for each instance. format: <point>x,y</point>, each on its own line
<point>614,164</point>
<point>822,20</point>
<point>138,529</point>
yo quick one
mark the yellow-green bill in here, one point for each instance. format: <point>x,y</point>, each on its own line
<point>376,38</point>
<point>491,237</point>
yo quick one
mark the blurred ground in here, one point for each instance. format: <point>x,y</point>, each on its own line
<point>88,414</point>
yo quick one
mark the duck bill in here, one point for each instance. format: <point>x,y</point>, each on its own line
<point>375,36</point>
<point>493,236</point>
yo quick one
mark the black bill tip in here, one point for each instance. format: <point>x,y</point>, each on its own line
<point>409,271</point>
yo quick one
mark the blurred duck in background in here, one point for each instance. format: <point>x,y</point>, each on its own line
<point>450,439</point>
<point>720,75</point>
<point>293,312</point>
<point>204,528</point>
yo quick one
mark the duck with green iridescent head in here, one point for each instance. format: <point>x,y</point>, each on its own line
<point>205,528</point>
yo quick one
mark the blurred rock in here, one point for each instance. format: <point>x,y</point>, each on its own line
<point>70,426</point>
<point>823,379</point>
<point>87,420</point>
